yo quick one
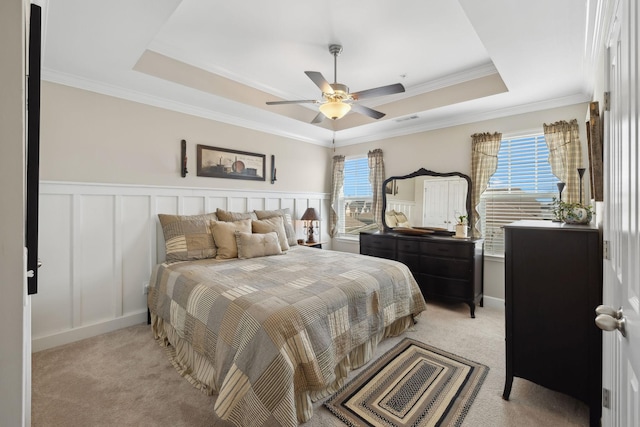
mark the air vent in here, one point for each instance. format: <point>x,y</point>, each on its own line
<point>404,119</point>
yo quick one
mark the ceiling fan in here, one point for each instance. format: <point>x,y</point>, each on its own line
<point>336,100</point>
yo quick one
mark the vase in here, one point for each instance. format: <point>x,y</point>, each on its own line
<point>577,215</point>
<point>461,231</point>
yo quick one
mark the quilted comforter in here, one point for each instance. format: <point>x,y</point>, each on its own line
<point>270,335</point>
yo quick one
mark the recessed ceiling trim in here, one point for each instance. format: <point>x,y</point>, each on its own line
<point>458,120</point>
<point>439,83</point>
<point>323,135</point>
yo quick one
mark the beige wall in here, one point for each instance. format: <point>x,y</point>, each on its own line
<point>15,361</point>
<point>449,149</point>
<point>89,137</point>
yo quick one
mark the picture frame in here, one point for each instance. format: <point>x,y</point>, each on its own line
<point>391,188</point>
<point>216,162</point>
<point>596,153</point>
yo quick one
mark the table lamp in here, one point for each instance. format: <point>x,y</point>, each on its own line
<point>309,216</point>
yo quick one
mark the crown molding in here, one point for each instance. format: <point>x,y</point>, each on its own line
<point>325,136</point>
<point>463,119</point>
<point>279,122</point>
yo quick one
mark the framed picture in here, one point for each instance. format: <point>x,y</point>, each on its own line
<point>594,140</point>
<point>391,188</point>
<point>225,163</point>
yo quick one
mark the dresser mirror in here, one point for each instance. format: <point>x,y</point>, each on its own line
<point>427,199</point>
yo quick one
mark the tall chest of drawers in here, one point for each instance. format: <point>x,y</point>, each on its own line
<point>553,284</point>
<point>445,268</point>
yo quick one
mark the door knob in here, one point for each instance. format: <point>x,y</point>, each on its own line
<point>609,319</point>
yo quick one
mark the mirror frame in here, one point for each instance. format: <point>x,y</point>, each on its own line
<point>426,172</point>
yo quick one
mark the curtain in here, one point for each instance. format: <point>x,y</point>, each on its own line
<point>336,186</point>
<point>484,162</point>
<point>565,156</point>
<point>376,177</point>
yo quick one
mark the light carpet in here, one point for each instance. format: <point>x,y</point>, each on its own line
<point>413,384</point>
<point>124,378</point>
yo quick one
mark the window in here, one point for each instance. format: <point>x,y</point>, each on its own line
<point>356,199</point>
<point>522,187</point>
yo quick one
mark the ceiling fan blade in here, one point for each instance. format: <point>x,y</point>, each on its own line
<point>320,81</point>
<point>301,101</point>
<point>378,91</point>
<point>367,111</point>
<point>317,119</point>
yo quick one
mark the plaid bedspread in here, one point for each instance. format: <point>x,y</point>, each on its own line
<point>266,333</point>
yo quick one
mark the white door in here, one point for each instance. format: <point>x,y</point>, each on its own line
<point>444,201</point>
<point>436,204</point>
<point>621,355</point>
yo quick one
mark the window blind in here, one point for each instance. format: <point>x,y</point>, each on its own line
<point>357,198</point>
<point>522,187</point>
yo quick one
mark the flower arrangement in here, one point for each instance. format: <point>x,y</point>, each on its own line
<point>462,219</point>
<point>572,213</point>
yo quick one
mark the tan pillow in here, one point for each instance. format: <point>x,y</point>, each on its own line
<point>234,216</point>
<point>272,224</point>
<point>390,219</point>
<point>225,238</point>
<point>187,237</point>
<point>257,245</point>
<point>401,218</point>
<point>292,239</point>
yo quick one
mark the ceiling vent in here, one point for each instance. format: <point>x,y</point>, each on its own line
<point>404,119</point>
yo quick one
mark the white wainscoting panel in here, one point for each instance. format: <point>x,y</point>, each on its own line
<point>407,207</point>
<point>99,242</point>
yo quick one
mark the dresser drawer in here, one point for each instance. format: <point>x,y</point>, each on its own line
<point>375,241</point>
<point>446,267</point>
<point>442,249</point>
<point>378,246</point>
<point>408,245</point>
<point>446,288</point>
<point>379,252</point>
<point>411,260</point>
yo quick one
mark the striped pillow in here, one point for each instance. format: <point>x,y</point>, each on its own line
<point>188,237</point>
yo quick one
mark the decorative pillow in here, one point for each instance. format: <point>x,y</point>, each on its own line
<point>272,224</point>
<point>390,219</point>
<point>234,216</point>
<point>401,218</point>
<point>404,224</point>
<point>187,237</point>
<point>292,239</point>
<point>225,238</point>
<point>257,245</point>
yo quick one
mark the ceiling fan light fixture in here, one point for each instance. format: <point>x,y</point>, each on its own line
<point>335,110</point>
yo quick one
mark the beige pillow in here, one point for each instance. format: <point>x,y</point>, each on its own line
<point>390,219</point>
<point>401,218</point>
<point>225,238</point>
<point>292,239</point>
<point>234,216</point>
<point>272,224</point>
<point>187,237</point>
<point>257,245</point>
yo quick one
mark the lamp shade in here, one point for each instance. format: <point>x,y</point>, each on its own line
<point>310,215</point>
<point>335,109</point>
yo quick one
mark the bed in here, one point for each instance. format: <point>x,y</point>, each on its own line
<point>270,333</point>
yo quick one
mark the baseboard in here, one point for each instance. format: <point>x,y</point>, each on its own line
<point>492,302</point>
<point>77,334</point>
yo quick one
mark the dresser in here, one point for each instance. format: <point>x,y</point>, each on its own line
<point>445,268</point>
<point>553,284</point>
